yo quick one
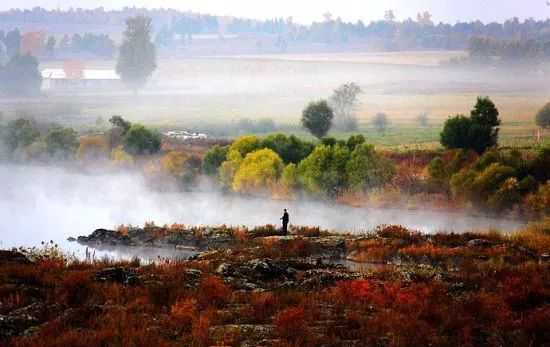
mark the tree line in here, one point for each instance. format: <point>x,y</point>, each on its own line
<point>388,33</point>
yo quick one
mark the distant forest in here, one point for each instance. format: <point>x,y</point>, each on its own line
<point>175,30</point>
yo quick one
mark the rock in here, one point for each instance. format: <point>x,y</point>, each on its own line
<point>479,243</point>
<point>121,275</point>
<point>13,257</point>
<point>226,270</point>
<point>264,269</point>
<point>545,257</point>
<point>71,239</point>
<point>22,319</point>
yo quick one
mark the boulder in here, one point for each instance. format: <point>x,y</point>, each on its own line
<point>121,275</point>
<point>13,257</point>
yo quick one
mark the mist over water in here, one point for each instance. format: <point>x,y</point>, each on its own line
<point>43,203</point>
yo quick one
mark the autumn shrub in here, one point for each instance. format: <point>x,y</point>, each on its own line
<point>212,291</point>
<point>352,292</point>
<point>76,288</point>
<point>290,323</point>
<point>263,306</point>
<point>184,311</point>
<point>200,330</point>
<point>93,148</point>
<point>258,170</point>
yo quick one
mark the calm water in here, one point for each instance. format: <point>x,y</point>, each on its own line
<point>51,203</point>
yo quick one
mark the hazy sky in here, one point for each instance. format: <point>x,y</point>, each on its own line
<point>306,11</point>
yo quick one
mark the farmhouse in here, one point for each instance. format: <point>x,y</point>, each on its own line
<point>55,79</point>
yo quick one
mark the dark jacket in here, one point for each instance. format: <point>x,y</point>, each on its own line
<point>285,218</point>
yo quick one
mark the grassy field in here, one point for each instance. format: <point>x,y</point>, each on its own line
<point>206,94</point>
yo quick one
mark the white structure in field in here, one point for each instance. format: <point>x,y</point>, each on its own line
<point>184,135</point>
<point>55,79</point>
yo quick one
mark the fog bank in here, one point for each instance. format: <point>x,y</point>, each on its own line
<point>39,203</point>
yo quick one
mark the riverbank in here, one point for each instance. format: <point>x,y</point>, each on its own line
<point>251,287</point>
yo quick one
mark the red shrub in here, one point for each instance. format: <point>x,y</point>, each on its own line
<point>76,288</point>
<point>290,322</point>
<point>212,291</point>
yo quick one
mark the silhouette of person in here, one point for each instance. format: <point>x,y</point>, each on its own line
<point>285,219</point>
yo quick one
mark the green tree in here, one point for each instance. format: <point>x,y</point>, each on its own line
<point>317,118</point>
<point>455,132</point>
<point>543,116</point>
<point>62,142</point>
<point>141,140</point>
<point>213,158</point>
<point>485,118</point>
<point>258,171</point>
<point>380,121</point>
<point>20,76</point>
<point>137,56</point>
<point>367,169</point>
<point>119,128</point>
<point>344,103</point>
<point>290,148</point>
<point>478,132</point>
<point>324,171</point>
<point>19,133</point>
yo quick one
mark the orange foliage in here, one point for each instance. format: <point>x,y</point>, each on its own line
<point>290,322</point>
<point>74,69</point>
<point>212,291</point>
<point>32,42</point>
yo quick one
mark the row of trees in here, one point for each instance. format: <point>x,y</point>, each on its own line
<point>509,50</point>
<point>409,33</point>
<point>21,138</point>
<point>251,165</point>
<point>38,44</point>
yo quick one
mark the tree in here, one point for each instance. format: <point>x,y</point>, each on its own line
<point>95,147</point>
<point>380,121</point>
<point>119,128</point>
<point>141,140</point>
<point>422,119</point>
<point>344,103</point>
<point>32,43</point>
<point>13,42</point>
<point>20,76</point>
<point>258,171</point>
<point>324,172</point>
<point>455,132</point>
<point>317,118</point>
<point>19,133</point>
<point>245,145</point>
<point>477,132</point>
<point>183,167</point>
<point>485,117</point>
<point>61,142</point>
<point>50,46</point>
<point>137,57</point>
<point>543,116</point>
<point>367,169</point>
<point>213,158</point>
<point>290,148</point>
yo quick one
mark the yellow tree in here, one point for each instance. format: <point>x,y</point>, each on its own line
<point>258,171</point>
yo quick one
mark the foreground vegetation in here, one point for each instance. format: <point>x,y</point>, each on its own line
<point>262,289</point>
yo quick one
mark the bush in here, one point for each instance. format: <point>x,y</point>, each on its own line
<point>366,169</point>
<point>259,169</point>
<point>20,76</point>
<point>19,133</point>
<point>213,158</point>
<point>245,145</point>
<point>141,140</point>
<point>478,132</point>
<point>324,171</point>
<point>290,148</point>
<point>94,147</point>
<point>290,322</point>
<point>181,166</point>
<point>61,142</point>
<point>317,118</point>
<point>543,116</point>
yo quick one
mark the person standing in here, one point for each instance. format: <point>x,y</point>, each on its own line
<point>285,219</point>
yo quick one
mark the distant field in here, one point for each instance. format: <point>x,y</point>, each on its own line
<point>207,92</point>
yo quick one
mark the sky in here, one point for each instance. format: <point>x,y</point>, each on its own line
<point>306,11</point>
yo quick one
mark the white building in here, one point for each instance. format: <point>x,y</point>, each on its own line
<point>97,80</point>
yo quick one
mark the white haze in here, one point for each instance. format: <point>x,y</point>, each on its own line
<point>39,203</point>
